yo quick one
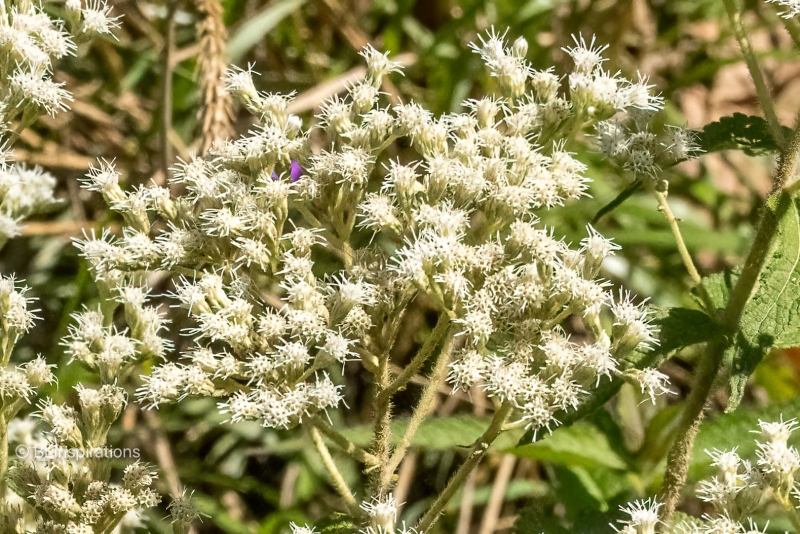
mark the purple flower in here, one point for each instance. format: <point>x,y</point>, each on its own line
<point>296,172</point>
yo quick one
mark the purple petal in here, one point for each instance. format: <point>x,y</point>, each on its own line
<point>297,171</point>
<point>275,176</point>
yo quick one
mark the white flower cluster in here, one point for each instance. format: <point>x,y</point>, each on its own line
<point>620,110</point>
<point>791,8</point>
<point>738,490</point>
<point>642,517</point>
<point>23,192</point>
<point>741,487</point>
<point>31,43</point>
<point>381,515</point>
<point>18,384</point>
<point>69,501</point>
<point>452,217</point>
<point>71,491</point>
<point>113,353</point>
<point>629,141</point>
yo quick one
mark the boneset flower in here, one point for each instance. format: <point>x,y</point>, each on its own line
<point>740,488</point>
<point>453,218</point>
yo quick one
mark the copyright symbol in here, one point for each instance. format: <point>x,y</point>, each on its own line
<point>22,451</point>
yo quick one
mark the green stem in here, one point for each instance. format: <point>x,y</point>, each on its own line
<point>337,478</point>
<point>764,97</point>
<point>793,27</point>
<point>381,447</point>
<point>343,443</point>
<point>680,453</point>
<point>421,357</point>
<point>437,378</point>
<point>686,257</point>
<point>3,457</point>
<point>477,452</point>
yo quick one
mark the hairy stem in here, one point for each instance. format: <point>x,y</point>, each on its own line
<point>663,206</point>
<point>3,456</point>
<point>437,378</point>
<point>436,336</point>
<point>764,97</point>
<point>337,478</point>
<point>793,27</point>
<point>680,453</point>
<point>477,452</point>
<point>343,443</point>
<point>381,448</point>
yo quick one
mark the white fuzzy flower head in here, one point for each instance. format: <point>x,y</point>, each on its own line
<point>587,57</point>
<point>183,510</point>
<point>31,87</point>
<point>378,64</point>
<point>97,18</point>
<point>791,8</point>
<point>652,382</point>
<point>643,516</point>
<point>382,513</point>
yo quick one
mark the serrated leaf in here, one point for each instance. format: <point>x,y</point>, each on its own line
<point>743,132</point>
<point>682,327</point>
<point>771,317</point>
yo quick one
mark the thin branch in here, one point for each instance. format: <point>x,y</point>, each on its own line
<point>793,27</point>
<point>163,452</point>
<point>3,457</point>
<point>495,505</point>
<point>764,97</point>
<point>421,357</point>
<point>686,257</point>
<point>477,452</point>
<point>337,478</point>
<point>343,443</point>
<point>422,409</point>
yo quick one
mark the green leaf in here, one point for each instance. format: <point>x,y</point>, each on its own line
<point>537,519</point>
<point>771,317</point>
<point>618,200</point>
<point>739,132</point>
<point>458,431</point>
<point>682,327</point>
<point>253,30</point>
<point>338,523</point>
<point>736,430</point>
<point>580,445</point>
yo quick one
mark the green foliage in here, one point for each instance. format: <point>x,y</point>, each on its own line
<point>254,30</point>
<point>771,317</point>
<point>580,445</point>
<point>747,133</point>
